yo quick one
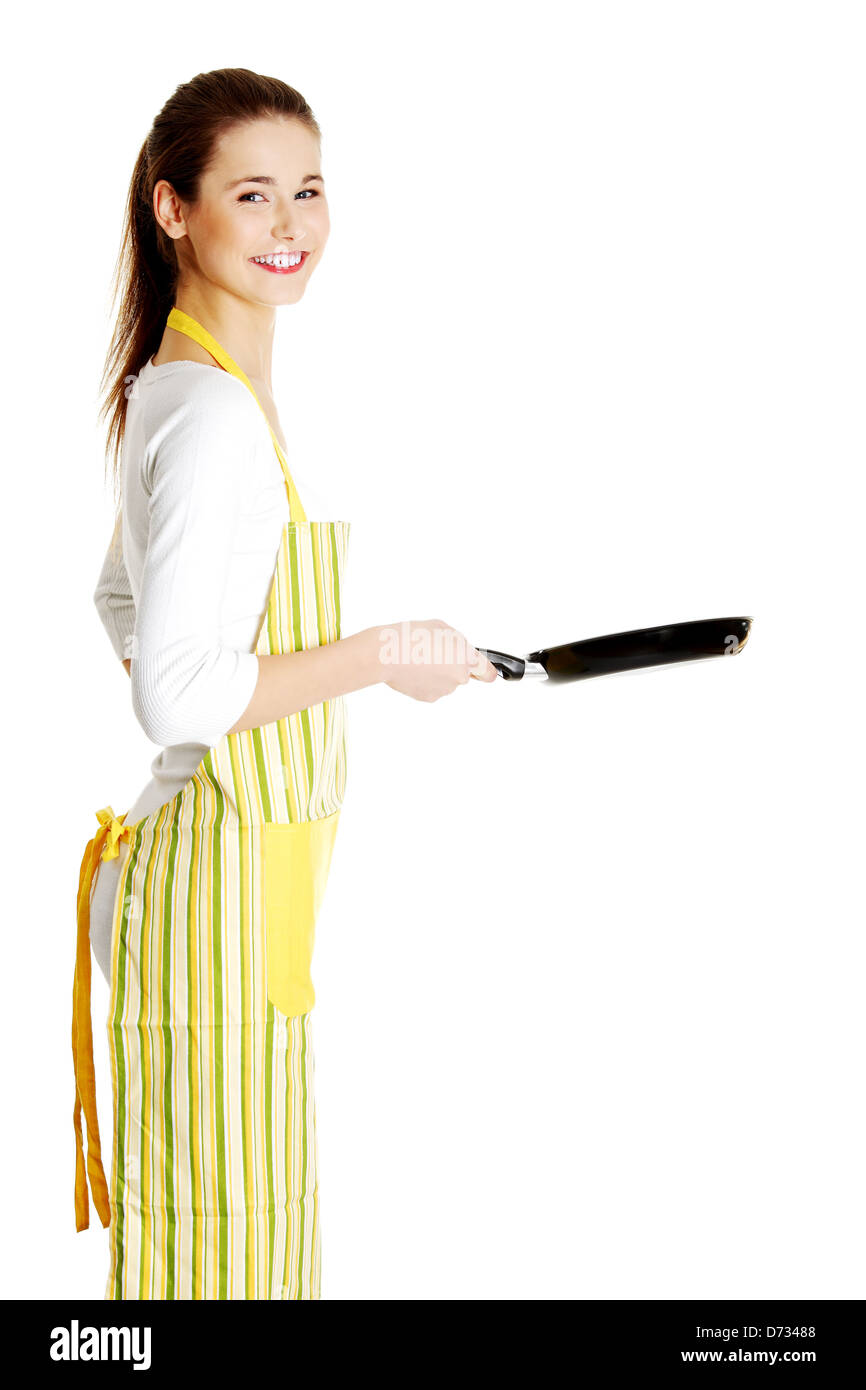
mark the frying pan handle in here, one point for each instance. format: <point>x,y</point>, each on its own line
<point>510,668</point>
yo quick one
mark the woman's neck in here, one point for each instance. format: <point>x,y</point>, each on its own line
<point>245,330</point>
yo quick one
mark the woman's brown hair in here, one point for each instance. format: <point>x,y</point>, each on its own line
<point>178,148</point>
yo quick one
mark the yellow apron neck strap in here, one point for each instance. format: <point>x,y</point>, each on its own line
<point>184,323</point>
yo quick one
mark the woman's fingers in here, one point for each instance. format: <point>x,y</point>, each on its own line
<point>484,668</point>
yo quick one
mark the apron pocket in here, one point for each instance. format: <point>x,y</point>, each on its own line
<point>297,857</point>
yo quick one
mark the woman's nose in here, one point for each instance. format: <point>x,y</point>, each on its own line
<point>290,229</point>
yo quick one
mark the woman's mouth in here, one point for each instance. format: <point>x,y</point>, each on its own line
<point>282,263</point>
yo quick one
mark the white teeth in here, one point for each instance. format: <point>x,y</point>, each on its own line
<point>282,260</point>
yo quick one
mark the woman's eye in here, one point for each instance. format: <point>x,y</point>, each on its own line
<point>304,193</point>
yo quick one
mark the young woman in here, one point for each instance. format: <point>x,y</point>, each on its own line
<point>222,599</point>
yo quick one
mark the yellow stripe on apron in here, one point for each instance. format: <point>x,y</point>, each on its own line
<point>214,1187</point>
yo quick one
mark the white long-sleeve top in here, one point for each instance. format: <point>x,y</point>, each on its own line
<point>203,506</point>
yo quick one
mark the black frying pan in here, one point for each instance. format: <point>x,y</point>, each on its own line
<point>627,651</point>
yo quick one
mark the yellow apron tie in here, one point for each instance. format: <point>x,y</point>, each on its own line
<point>102,846</point>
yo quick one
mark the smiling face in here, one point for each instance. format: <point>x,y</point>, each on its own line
<point>261,205</point>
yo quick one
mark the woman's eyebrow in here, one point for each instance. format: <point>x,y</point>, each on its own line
<point>266,178</point>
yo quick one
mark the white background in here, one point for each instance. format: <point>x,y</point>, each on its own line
<point>585,353</point>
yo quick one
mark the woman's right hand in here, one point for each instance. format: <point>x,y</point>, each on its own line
<point>428,659</point>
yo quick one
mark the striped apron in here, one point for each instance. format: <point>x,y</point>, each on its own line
<point>214,1190</point>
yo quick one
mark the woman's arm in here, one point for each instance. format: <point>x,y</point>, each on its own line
<point>320,673</point>
<point>185,685</point>
<point>296,680</point>
<point>113,598</point>
<point>435,658</point>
